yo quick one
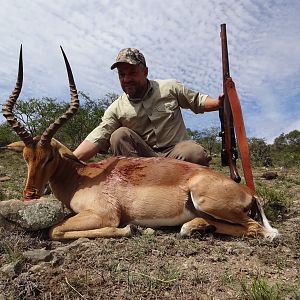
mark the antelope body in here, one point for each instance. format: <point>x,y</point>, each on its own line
<point>110,196</point>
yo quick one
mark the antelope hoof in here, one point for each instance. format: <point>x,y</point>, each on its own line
<point>271,235</point>
<point>134,229</point>
<point>131,230</point>
<point>186,231</point>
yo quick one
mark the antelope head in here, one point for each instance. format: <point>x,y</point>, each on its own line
<point>39,152</point>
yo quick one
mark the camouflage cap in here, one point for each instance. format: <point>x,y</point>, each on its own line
<point>131,56</point>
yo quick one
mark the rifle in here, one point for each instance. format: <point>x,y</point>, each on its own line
<point>232,123</point>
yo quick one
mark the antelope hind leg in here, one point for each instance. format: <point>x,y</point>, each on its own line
<point>89,224</point>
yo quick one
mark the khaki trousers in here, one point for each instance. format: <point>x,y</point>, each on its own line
<point>126,142</point>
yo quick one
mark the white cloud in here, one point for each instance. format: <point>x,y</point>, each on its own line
<point>180,39</point>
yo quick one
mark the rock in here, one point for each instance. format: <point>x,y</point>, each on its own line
<point>6,225</point>
<point>12,269</point>
<point>269,175</point>
<point>33,215</point>
<point>38,255</point>
<point>4,178</point>
<point>148,231</point>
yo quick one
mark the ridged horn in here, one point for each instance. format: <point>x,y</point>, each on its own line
<point>74,104</point>
<point>20,130</point>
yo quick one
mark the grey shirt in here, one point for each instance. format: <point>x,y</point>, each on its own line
<point>156,117</point>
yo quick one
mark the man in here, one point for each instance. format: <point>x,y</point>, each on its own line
<point>146,120</point>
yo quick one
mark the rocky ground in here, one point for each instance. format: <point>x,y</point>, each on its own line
<point>157,264</point>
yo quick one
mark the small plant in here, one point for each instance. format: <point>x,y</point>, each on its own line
<point>276,201</point>
<point>2,196</point>
<point>10,253</point>
<point>260,290</point>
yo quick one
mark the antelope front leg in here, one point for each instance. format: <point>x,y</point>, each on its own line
<point>197,224</point>
<point>89,224</point>
<point>249,227</point>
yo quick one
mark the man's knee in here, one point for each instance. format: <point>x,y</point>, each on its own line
<point>200,157</point>
<point>121,134</point>
<point>125,141</point>
<point>192,152</point>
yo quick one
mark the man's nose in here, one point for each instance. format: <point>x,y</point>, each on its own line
<point>127,78</point>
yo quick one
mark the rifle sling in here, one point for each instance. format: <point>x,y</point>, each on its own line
<point>240,131</point>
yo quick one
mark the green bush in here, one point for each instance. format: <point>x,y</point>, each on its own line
<point>276,201</point>
<point>37,114</point>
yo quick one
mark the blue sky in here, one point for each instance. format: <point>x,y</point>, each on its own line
<point>180,39</point>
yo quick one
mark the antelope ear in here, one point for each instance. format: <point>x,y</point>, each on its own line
<point>64,151</point>
<point>16,147</point>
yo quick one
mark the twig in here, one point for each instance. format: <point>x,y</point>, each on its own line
<point>154,278</point>
<point>67,282</point>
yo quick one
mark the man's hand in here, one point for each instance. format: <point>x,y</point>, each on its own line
<point>212,104</point>
<point>221,99</point>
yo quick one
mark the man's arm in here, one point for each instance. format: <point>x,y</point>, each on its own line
<point>212,104</point>
<point>86,150</point>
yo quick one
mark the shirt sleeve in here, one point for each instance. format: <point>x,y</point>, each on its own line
<point>101,134</point>
<point>190,99</point>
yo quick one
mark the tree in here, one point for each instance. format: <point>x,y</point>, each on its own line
<point>208,138</point>
<point>290,140</point>
<point>7,135</point>
<point>260,152</point>
<point>37,114</point>
<point>88,117</point>
<point>286,149</point>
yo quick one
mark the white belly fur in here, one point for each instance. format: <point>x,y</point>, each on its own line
<point>184,217</point>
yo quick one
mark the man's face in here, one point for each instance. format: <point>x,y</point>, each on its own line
<point>133,79</point>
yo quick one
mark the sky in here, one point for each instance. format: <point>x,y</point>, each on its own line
<point>180,40</point>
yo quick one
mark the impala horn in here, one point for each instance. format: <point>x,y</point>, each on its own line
<point>74,104</point>
<point>7,109</point>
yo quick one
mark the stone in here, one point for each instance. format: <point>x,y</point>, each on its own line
<point>4,178</point>
<point>12,269</point>
<point>6,225</point>
<point>270,175</point>
<point>33,215</point>
<point>38,255</point>
<point>148,231</point>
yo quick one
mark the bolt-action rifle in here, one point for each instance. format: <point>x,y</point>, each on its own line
<point>232,123</point>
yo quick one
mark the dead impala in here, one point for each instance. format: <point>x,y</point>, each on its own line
<point>109,197</point>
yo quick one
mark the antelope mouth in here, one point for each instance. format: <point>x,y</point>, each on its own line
<point>31,195</point>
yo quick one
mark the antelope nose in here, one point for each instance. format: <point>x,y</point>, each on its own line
<point>30,194</point>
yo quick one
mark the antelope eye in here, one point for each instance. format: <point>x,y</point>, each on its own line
<point>50,158</point>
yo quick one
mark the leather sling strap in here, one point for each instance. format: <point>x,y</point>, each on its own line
<point>240,131</point>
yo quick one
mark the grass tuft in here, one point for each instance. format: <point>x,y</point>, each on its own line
<point>259,289</point>
<point>277,202</point>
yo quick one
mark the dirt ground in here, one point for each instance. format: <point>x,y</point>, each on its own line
<point>157,265</point>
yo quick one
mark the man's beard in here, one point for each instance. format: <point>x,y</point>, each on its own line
<point>133,91</point>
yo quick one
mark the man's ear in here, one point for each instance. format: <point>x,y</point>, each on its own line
<point>16,147</point>
<point>146,71</point>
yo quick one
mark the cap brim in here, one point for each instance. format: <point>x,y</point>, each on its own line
<point>114,65</point>
<point>124,61</point>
